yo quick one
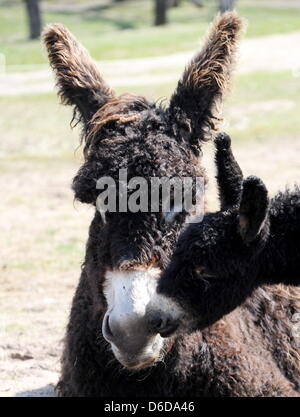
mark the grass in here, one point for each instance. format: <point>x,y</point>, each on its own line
<point>42,129</point>
<point>267,102</point>
<point>126,30</point>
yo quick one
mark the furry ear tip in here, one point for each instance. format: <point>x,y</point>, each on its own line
<point>255,189</point>
<point>230,22</point>
<point>231,18</point>
<point>222,140</point>
<point>252,182</point>
<point>51,29</point>
<point>53,32</point>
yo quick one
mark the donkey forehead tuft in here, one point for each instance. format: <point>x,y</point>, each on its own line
<point>121,112</point>
<point>132,122</point>
<point>123,109</point>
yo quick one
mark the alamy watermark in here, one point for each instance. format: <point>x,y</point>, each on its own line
<point>156,194</point>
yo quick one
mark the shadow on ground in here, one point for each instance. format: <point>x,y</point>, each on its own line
<point>46,391</point>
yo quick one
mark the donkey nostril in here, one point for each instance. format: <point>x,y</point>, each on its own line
<point>107,328</point>
<point>163,324</point>
<point>169,327</point>
<point>155,322</point>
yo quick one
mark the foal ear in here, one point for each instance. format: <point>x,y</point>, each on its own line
<point>78,79</point>
<point>206,78</point>
<point>229,174</point>
<point>253,209</point>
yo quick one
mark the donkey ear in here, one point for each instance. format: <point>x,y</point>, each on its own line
<point>253,209</point>
<point>206,78</point>
<point>78,79</point>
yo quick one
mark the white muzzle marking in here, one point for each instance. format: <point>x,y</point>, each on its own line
<point>128,292</point>
<point>167,305</point>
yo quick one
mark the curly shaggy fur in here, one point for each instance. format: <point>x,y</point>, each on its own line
<point>149,140</point>
<point>199,93</point>
<point>251,242</point>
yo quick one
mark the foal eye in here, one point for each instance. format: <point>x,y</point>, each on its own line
<point>200,270</point>
<point>204,272</point>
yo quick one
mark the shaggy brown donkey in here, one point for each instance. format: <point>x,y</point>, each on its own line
<point>251,242</point>
<point>127,251</point>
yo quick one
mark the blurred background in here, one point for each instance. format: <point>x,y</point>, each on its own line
<point>142,46</point>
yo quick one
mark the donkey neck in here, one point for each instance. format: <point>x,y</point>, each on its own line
<point>279,261</point>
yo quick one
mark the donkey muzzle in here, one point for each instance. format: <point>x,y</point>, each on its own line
<point>125,325</point>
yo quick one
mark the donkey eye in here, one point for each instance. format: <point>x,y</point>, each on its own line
<point>200,270</point>
<point>204,272</point>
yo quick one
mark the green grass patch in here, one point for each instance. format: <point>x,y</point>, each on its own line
<point>38,127</point>
<point>125,30</point>
<point>264,106</point>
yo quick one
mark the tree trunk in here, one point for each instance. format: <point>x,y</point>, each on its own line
<point>160,12</point>
<point>173,3</point>
<point>34,18</point>
<point>197,3</point>
<point>226,5</point>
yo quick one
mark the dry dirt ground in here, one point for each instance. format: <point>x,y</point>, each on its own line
<point>39,220</point>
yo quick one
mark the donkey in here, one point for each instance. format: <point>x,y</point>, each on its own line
<point>252,241</point>
<point>111,348</point>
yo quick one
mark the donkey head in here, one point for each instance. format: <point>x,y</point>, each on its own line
<point>214,266</point>
<point>128,249</point>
